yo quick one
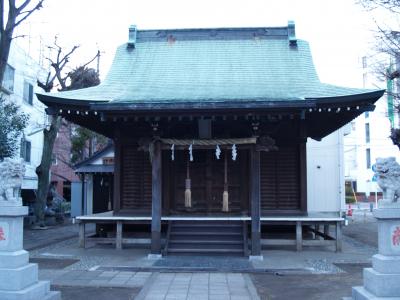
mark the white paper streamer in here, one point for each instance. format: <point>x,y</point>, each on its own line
<point>173,152</point>
<point>217,152</point>
<point>191,152</point>
<point>234,152</point>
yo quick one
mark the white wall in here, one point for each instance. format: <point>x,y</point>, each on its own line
<point>26,69</point>
<point>325,181</point>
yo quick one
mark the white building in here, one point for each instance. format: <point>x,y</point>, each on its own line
<point>368,139</point>
<point>20,86</point>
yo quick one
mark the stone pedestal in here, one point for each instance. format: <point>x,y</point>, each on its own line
<point>382,281</point>
<point>18,278</point>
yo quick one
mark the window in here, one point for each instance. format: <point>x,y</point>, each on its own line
<point>367,114</point>
<point>364,62</point>
<point>367,134</point>
<point>368,157</point>
<point>25,150</point>
<point>8,80</point>
<point>28,92</point>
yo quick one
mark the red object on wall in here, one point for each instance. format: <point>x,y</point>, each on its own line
<point>350,211</point>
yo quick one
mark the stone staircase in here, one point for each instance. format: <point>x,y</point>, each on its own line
<point>202,237</point>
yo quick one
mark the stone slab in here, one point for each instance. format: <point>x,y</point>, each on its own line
<point>360,293</point>
<point>386,264</point>
<point>13,259</point>
<point>389,237</point>
<point>382,285</point>
<point>53,295</point>
<point>18,278</point>
<point>13,211</point>
<point>11,233</point>
<point>35,291</point>
<point>386,213</point>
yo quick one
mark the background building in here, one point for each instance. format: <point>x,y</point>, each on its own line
<point>368,139</point>
<point>20,86</point>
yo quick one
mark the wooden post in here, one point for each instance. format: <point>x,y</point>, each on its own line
<point>83,194</point>
<point>118,242</point>
<point>82,234</point>
<point>156,201</point>
<point>316,231</point>
<point>326,230</point>
<point>338,236</point>
<point>299,236</point>
<point>117,171</point>
<point>255,202</point>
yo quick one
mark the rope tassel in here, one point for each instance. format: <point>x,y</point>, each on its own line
<point>225,195</point>
<point>188,192</point>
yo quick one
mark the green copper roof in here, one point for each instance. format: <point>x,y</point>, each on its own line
<point>209,66</point>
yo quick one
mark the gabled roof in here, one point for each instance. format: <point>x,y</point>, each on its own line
<point>87,166</point>
<point>208,66</point>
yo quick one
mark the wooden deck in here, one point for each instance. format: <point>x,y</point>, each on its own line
<point>313,221</point>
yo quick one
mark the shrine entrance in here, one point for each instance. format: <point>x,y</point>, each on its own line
<point>207,180</point>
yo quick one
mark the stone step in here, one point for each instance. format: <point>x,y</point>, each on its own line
<point>37,291</point>
<point>360,293</point>
<point>206,238</point>
<point>53,295</point>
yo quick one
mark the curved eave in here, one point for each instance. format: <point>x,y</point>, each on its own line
<point>51,100</point>
<point>151,106</point>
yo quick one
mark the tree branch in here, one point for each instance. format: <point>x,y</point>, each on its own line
<point>96,56</point>
<point>38,6</point>
<point>19,36</point>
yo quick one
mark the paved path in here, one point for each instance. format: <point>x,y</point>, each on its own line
<point>198,286</point>
<point>100,278</point>
<point>38,238</point>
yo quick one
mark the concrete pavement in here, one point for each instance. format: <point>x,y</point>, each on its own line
<point>101,272</point>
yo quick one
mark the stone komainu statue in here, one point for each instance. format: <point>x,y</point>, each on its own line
<point>388,177</point>
<point>11,175</point>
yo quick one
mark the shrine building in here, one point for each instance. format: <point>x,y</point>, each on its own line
<point>210,129</point>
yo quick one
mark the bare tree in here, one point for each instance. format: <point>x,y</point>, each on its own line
<point>15,16</point>
<point>57,76</point>
<point>388,43</point>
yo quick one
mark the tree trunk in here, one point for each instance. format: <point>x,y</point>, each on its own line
<point>43,170</point>
<point>5,44</point>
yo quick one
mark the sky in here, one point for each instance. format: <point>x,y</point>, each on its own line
<point>340,32</point>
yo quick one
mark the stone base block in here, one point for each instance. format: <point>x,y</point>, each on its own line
<point>386,264</point>
<point>382,285</point>
<point>13,259</point>
<point>360,293</point>
<point>38,291</point>
<point>18,278</point>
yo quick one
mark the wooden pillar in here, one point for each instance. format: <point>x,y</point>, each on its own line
<point>303,166</point>
<point>255,202</point>
<point>118,242</point>
<point>156,200</point>
<point>338,236</point>
<point>117,171</point>
<point>82,236</point>
<point>299,236</point>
